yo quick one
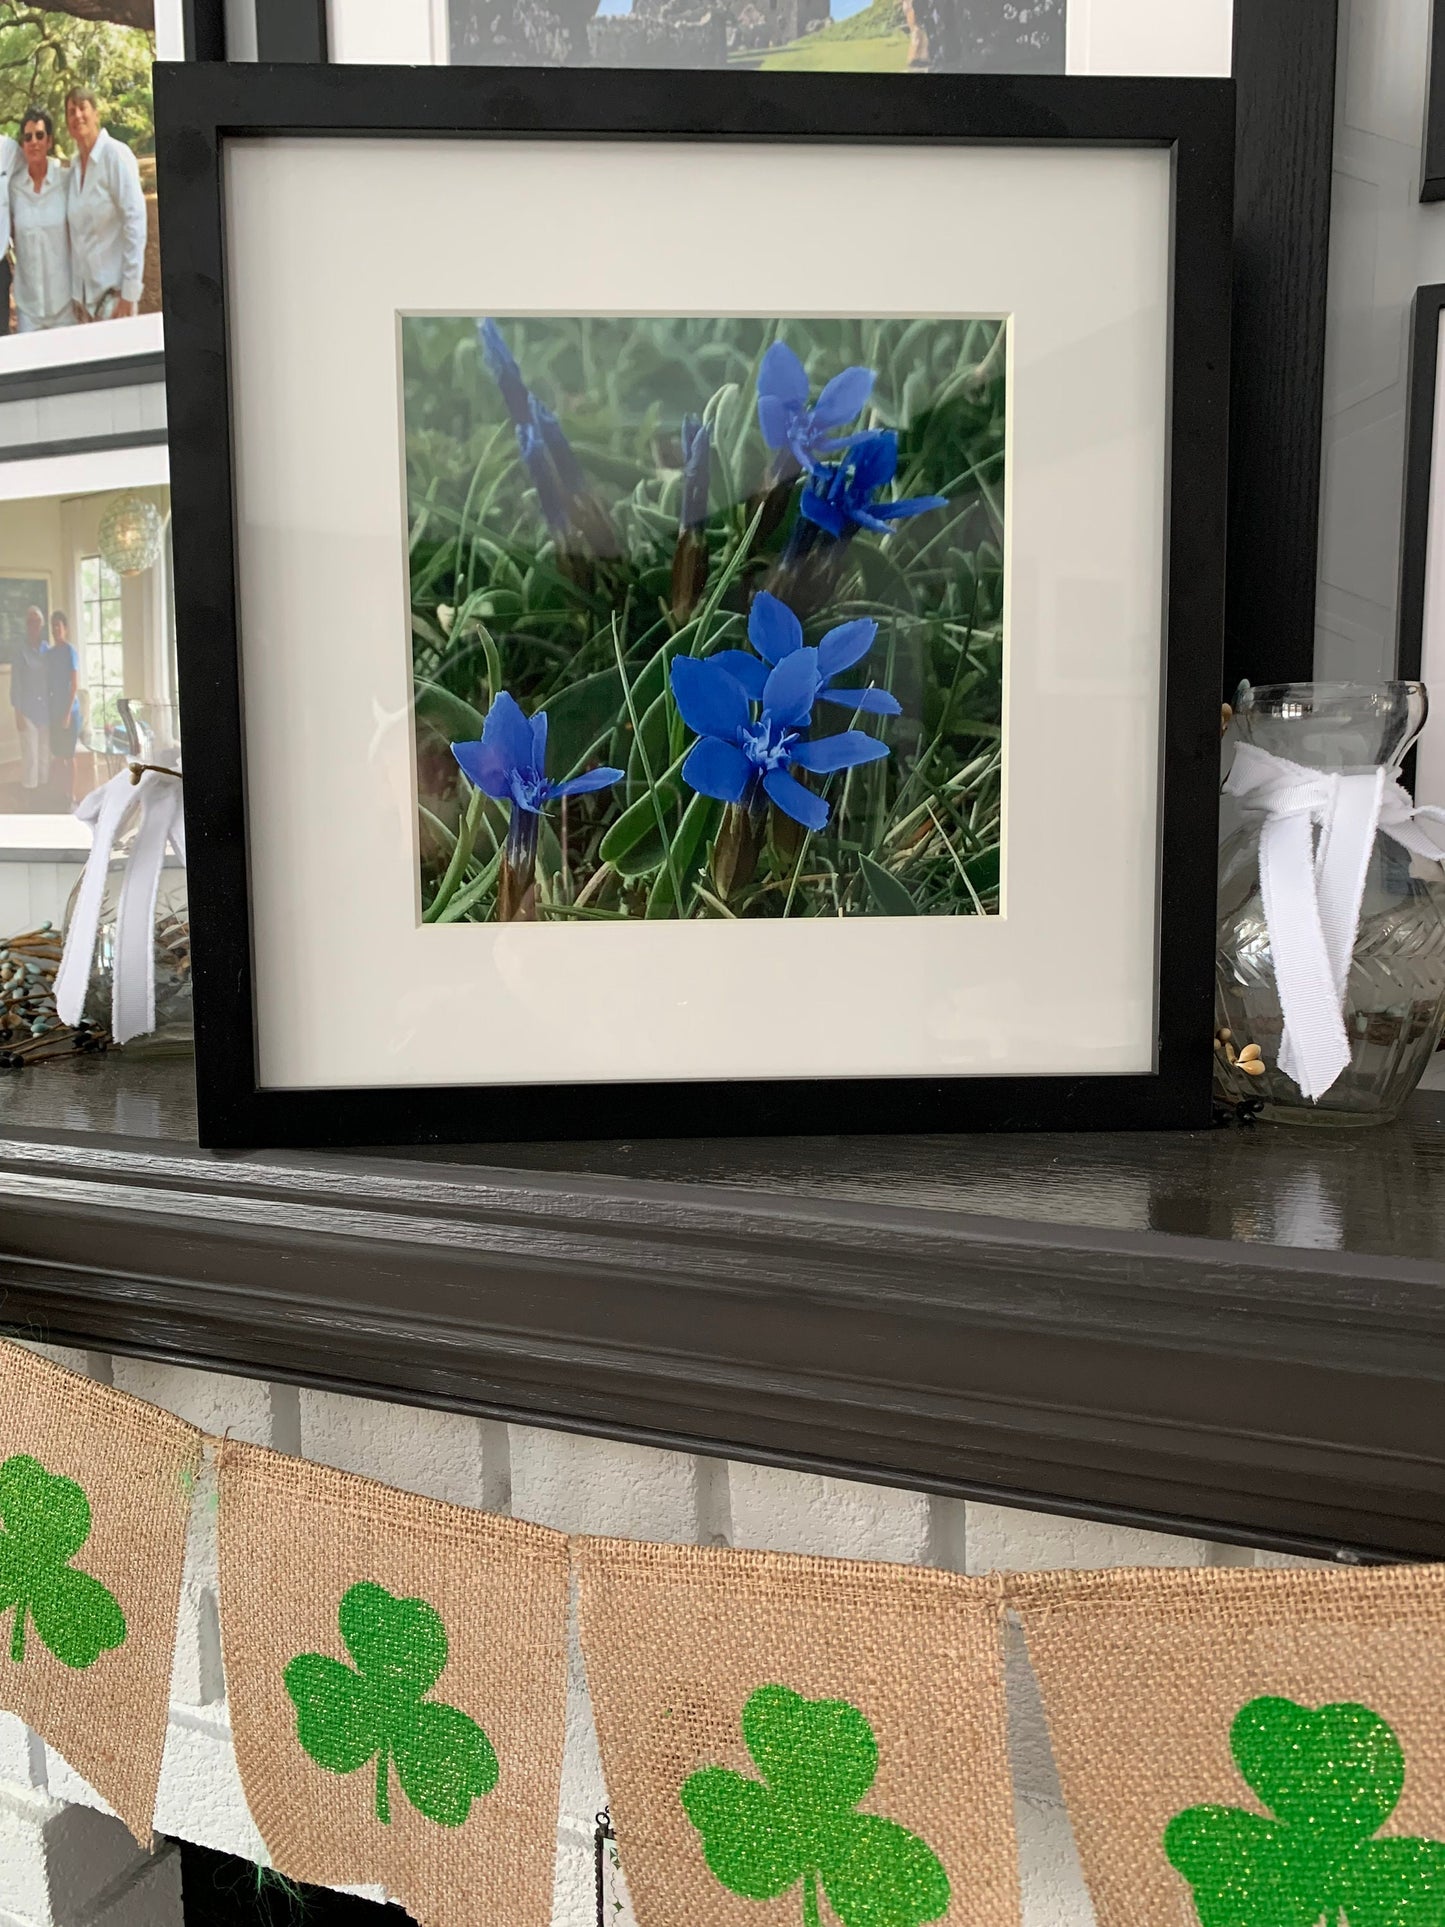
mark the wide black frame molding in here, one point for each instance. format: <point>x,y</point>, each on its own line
<point>201,109</point>
<point>1425,323</point>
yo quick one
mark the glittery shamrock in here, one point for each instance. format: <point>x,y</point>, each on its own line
<point>798,1823</point>
<point>46,1522</point>
<point>1332,1778</point>
<point>343,1718</point>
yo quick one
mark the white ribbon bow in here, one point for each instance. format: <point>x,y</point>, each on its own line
<point>1312,888</point>
<point>109,810</point>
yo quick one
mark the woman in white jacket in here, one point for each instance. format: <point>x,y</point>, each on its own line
<point>107,210</point>
<point>39,225</point>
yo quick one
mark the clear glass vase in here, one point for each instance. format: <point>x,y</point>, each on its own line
<point>1395,996</point>
<point>174,1031</point>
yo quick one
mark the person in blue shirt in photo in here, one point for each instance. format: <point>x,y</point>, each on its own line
<point>62,681</point>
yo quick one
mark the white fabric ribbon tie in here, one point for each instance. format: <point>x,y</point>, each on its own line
<point>1315,843</point>
<point>110,810</point>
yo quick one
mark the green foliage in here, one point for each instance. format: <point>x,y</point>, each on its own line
<point>380,1711</point>
<point>43,54</point>
<point>1332,1778</point>
<point>799,1823</point>
<point>498,604</point>
<point>46,1522</point>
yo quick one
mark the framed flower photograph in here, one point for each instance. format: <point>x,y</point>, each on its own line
<point>642,683</point>
<point>747,579</point>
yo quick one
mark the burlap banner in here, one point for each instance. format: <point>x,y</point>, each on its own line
<point>1249,1749</point>
<point>396,1670</point>
<point>95,1490</point>
<point>822,1736</point>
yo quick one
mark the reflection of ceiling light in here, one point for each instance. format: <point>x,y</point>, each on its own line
<point>130,535</point>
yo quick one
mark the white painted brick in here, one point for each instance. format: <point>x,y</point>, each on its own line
<point>584,1792</point>
<point>837,1518</point>
<point>1031,1755</point>
<point>578,1484</point>
<point>219,1404</point>
<point>1053,1885</point>
<point>196,1675</point>
<point>200,1796</point>
<point>151,1898</point>
<point>574,1888</point>
<point>56,1861</point>
<point>1001,1539</point>
<point>24,1875</point>
<point>89,1857</point>
<point>435,1453</point>
<point>15,1754</point>
<point>1292,1562</point>
<point>66,1784</point>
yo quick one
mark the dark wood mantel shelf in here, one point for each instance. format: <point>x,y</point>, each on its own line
<point>1240,1332</point>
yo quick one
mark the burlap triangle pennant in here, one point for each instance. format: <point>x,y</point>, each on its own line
<point>95,1489</point>
<point>796,1742</point>
<point>1245,1748</point>
<point>396,1670</point>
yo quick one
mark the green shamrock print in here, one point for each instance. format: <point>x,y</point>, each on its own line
<point>380,1711</point>
<point>761,1837</point>
<point>46,1520</point>
<point>1333,1778</point>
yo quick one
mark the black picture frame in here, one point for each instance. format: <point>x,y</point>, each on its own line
<point>1432,146</point>
<point>204,108</point>
<point>1283,60</point>
<point>1425,322</point>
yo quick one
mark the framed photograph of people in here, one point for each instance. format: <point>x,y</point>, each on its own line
<point>643,688</point>
<point>87,639</point>
<point>80,260</point>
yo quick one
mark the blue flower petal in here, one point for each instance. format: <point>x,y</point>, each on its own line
<point>875,461</point>
<point>718,769</point>
<point>824,514</point>
<point>792,689</point>
<point>743,668</point>
<point>913,505</point>
<point>773,629</point>
<point>774,417</point>
<point>502,366</point>
<point>486,768</point>
<point>783,376</point>
<point>844,751</point>
<point>871,702</point>
<point>564,458</point>
<point>710,700</point>
<point>844,397</point>
<point>795,801</point>
<point>508,733</point>
<point>539,741</point>
<point>592,779</point>
<point>845,645</point>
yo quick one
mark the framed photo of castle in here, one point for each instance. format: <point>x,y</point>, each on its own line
<point>657,691</point>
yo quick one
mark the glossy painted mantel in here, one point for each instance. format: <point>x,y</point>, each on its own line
<point>1239,1331</point>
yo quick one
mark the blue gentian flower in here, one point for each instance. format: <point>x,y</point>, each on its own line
<point>696,467</point>
<point>542,474</point>
<point>565,497</point>
<point>509,763</point>
<point>776,633</point>
<point>502,366</point>
<point>789,424</point>
<point>735,757</point>
<point>839,496</point>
